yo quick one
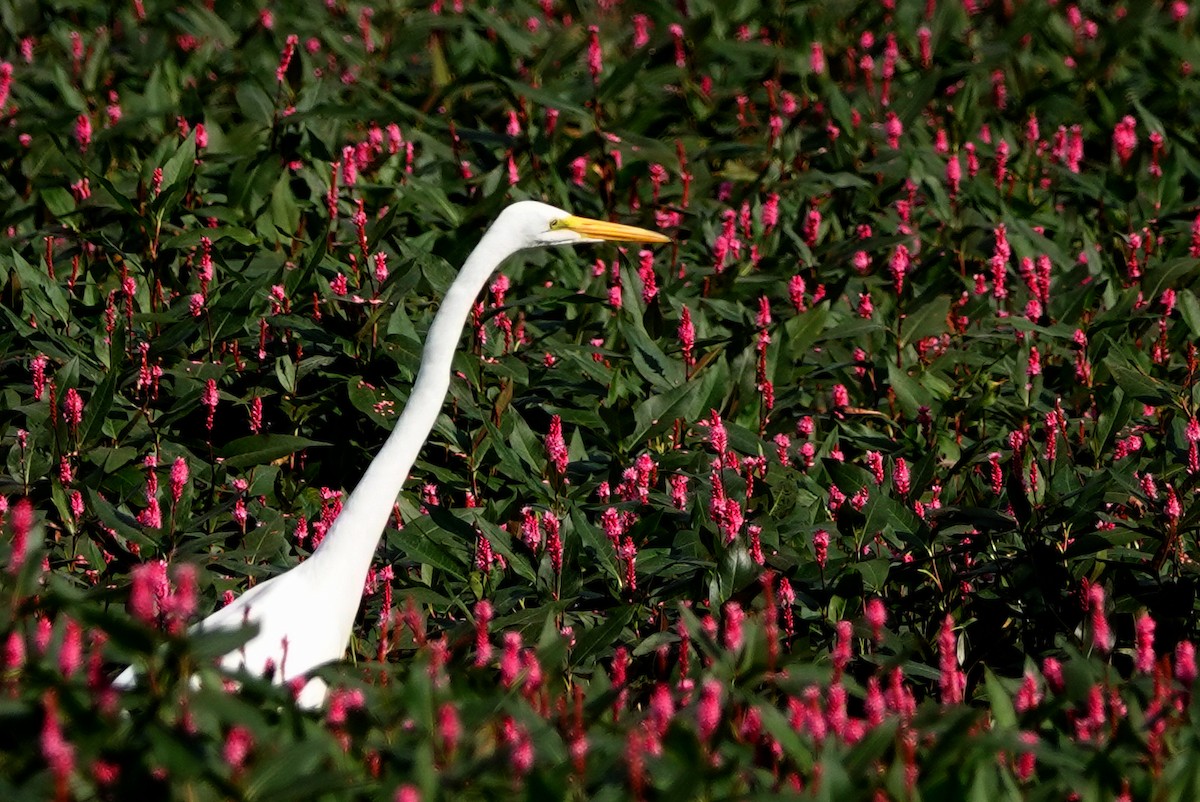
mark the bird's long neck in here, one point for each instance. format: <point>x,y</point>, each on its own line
<point>345,554</point>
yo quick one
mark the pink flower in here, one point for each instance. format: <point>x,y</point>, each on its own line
<point>900,477</point>
<point>1101,634</point>
<point>1173,508</point>
<point>579,167</point>
<point>594,58</point>
<point>83,131</point>
<point>812,227</point>
<point>954,174</point>
<point>1034,368</point>
<point>148,589</point>
<point>842,648</point>
<point>841,396</point>
<point>449,727</point>
<point>554,546</point>
<point>816,58</point>
<point>687,336</point>
<point>1029,695</point>
<point>1144,655</point>
<point>646,274</point>
<point>285,58</point>
<point>37,369</point>
<point>708,712</point>
<point>483,646</point>
<point>57,752</point>
<point>770,211</point>
<point>951,681</point>
<point>876,615</point>
<point>641,32</point>
<point>73,409</point>
<point>924,43</point>
<point>734,617</point>
<point>6,71</point>
<point>70,655</point>
<point>821,546</point>
<point>209,399</point>
<point>556,446</point>
<point>893,129</point>
<point>1027,761</point>
<point>1185,662</point>
<point>899,265</point>
<point>1125,138</point>
<point>1052,671</point>
<point>680,52</point>
<point>1002,149</point>
<point>510,662</point>
<point>151,517</point>
<point>21,522</point>
<point>238,744</point>
<point>679,485</point>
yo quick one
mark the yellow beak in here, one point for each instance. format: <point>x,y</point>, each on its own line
<point>600,229</point>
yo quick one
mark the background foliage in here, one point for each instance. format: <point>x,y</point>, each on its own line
<point>938,262</point>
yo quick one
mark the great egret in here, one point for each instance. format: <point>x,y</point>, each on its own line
<point>305,614</point>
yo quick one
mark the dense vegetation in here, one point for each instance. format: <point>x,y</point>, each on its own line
<point>877,483</point>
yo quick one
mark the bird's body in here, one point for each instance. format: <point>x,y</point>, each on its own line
<point>305,615</point>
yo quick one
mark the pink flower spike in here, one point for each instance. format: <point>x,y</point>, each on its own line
<point>595,59</point>
<point>1144,655</point>
<point>952,681</point>
<point>21,523</point>
<point>1185,663</point>
<point>708,712</point>
<point>238,744</point>
<point>1101,634</point>
<point>876,615</point>
<point>483,646</point>
<point>556,446</point>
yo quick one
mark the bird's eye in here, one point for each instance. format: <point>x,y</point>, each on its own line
<point>557,224</point>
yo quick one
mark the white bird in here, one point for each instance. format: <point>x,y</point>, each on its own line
<point>305,614</point>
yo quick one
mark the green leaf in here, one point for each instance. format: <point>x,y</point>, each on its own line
<point>259,449</point>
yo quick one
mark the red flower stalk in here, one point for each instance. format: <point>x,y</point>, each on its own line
<point>510,663</point>
<point>21,523</point>
<point>554,546</point>
<point>595,59</point>
<point>483,646</point>
<point>1101,633</point>
<point>238,743</point>
<point>708,710</point>
<point>1185,663</point>
<point>70,654</point>
<point>1052,671</point>
<point>210,398</point>
<point>285,58</point>
<point>876,615</point>
<point>952,681</point>
<point>556,446</point>
<point>1029,695</point>
<point>900,477</point>
<point>734,618</point>
<point>1124,138</point>
<point>821,547</point>
<point>618,675</point>
<point>842,649</point>
<point>57,752</point>
<point>73,410</point>
<point>449,728</point>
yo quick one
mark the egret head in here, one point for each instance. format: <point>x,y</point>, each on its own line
<point>541,225</point>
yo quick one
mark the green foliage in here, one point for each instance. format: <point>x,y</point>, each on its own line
<point>970,398</point>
